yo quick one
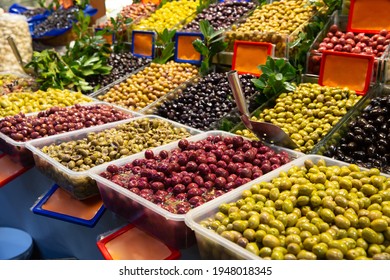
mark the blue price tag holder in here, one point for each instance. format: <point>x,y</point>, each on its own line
<point>60,205</point>
<point>184,50</point>
<point>143,43</point>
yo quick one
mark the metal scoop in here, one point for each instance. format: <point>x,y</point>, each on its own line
<point>267,132</point>
<point>17,55</point>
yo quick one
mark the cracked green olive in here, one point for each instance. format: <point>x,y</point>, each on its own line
<point>340,223</point>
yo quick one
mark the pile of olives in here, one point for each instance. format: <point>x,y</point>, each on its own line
<point>172,15</point>
<point>29,13</point>
<point>134,11</point>
<point>59,19</point>
<point>29,102</point>
<point>201,104</point>
<point>314,211</point>
<point>122,64</point>
<point>221,15</point>
<point>272,23</point>
<point>366,141</point>
<point>146,86</point>
<point>196,172</point>
<point>13,83</point>
<point>107,145</point>
<point>308,113</point>
<point>59,120</point>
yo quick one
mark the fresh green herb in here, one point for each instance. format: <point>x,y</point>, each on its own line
<point>164,46</point>
<point>118,31</point>
<point>88,56</point>
<point>277,77</point>
<point>212,44</point>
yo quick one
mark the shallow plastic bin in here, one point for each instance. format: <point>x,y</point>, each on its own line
<point>15,244</point>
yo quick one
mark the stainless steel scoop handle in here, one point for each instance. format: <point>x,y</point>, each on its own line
<point>239,97</point>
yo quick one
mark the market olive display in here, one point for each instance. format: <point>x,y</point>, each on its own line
<point>367,139</point>
<point>221,15</point>
<point>58,120</point>
<point>58,19</point>
<point>29,102</point>
<point>29,13</point>
<point>107,145</point>
<point>135,11</point>
<point>146,86</point>
<point>311,212</point>
<point>122,64</point>
<point>349,42</point>
<point>196,171</point>
<point>272,23</point>
<point>200,105</point>
<point>172,15</point>
<point>308,113</point>
<point>14,83</point>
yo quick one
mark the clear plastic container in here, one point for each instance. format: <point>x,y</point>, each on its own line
<point>17,150</point>
<point>272,102</point>
<point>171,227</point>
<point>313,61</point>
<point>213,246</point>
<point>253,103</point>
<point>78,184</point>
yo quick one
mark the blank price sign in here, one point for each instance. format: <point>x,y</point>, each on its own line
<point>369,16</point>
<point>353,71</point>
<point>143,43</point>
<point>184,50</point>
<point>247,56</point>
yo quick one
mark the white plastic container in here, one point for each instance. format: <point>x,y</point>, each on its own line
<point>17,149</point>
<point>168,227</point>
<point>79,184</point>
<point>213,246</point>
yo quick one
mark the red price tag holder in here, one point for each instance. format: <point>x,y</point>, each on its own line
<point>247,56</point>
<point>143,43</point>
<point>350,70</point>
<point>131,243</point>
<point>184,50</point>
<point>9,169</point>
<point>59,204</point>
<point>369,16</point>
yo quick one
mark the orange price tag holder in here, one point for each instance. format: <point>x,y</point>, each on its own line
<point>184,50</point>
<point>247,56</point>
<point>110,38</point>
<point>59,204</point>
<point>10,169</point>
<point>369,16</point>
<point>131,243</point>
<point>143,43</point>
<point>339,69</point>
<point>156,2</point>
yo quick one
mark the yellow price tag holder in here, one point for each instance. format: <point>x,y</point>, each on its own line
<point>143,43</point>
<point>184,50</point>
<point>339,69</point>
<point>247,56</point>
<point>369,16</point>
